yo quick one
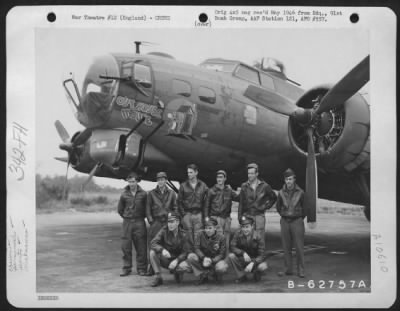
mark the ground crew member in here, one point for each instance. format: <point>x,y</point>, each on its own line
<point>191,201</point>
<point>219,205</point>
<point>132,208</point>
<point>160,201</point>
<point>169,249</point>
<point>290,205</point>
<point>210,251</point>
<point>247,251</point>
<point>256,196</point>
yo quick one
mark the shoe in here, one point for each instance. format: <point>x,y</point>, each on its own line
<point>241,279</point>
<point>257,276</point>
<point>157,281</point>
<point>301,274</point>
<point>125,273</point>
<point>178,277</point>
<point>202,280</point>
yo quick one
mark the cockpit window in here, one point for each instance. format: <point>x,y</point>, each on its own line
<point>222,67</point>
<point>142,75</point>
<point>267,81</point>
<point>248,74</point>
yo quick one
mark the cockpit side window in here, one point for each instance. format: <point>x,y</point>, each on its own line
<point>207,95</point>
<point>248,74</point>
<point>267,81</point>
<point>142,75</point>
<point>180,87</point>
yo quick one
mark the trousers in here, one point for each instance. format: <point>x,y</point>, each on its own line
<point>292,234</point>
<point>239,265</point>
<point>134,233</point>
<point>220,267</point>
<point>192,223</point>
<point>158,260</point>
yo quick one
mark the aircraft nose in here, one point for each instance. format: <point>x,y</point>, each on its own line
<point>99,89</point>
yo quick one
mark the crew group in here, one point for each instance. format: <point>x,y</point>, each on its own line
<point>191,232</point>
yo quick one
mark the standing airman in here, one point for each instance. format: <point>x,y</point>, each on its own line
<point>290,205</point>
<point>219,205</point>
<point>191,201</point>
<point>256,196</point>
<point>132,209</point>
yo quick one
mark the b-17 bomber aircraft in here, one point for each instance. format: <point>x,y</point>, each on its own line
<point>150,112</point>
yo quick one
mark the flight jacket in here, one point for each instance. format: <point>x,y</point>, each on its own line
<point>255,202</point>
<point>160,204</point>
<point>290,204</point>
<point>255,247</point>
<point>192,200</point>
<point>219,201</point>
<point>132,207</point>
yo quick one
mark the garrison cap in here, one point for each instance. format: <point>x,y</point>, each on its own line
<point>246,220</point>
<point>211,222</point>
<point>221,172</point>
<point>289,172</point>
<point>173,216</point>
<point>252,165</point>
<point>133,175</point>
<point>161,175</point>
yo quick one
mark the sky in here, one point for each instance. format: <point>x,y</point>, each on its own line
<point>311,57</point>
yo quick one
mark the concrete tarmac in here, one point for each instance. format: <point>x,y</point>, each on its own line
<point>80,253</point>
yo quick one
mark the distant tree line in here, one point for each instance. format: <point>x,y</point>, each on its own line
<point>52,188</point>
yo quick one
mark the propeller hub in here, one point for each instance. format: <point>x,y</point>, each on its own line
<point>303,117</point>
<point>66,146</point>
<point>324,123</point>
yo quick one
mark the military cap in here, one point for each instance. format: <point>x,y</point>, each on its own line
<point>252,165</point>
<point>211,222</point>
<point>222,172</point>
<point>246,220</point>
<point>173,216</point>
<point>289,172</point>
<point>133,175</point>
<point>161,175</point>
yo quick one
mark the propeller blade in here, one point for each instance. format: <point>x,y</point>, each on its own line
<point>269,100</point>
<point>82,137</point>
<point>311,194</point>
<point>346,87</point>
<point>92,173</point>
<point>62,159</point>
<point>62,132</point>
<point>66,182</point>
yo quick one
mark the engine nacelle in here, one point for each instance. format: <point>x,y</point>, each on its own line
<point>340,135</point>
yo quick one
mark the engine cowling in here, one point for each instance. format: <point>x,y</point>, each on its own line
<point>340,135</point>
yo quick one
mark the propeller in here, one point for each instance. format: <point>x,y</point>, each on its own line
<point>91,174</point>
<point>307,118</point>
<point>72,145</point>
<point>311,194</point>
<point>346,87</point>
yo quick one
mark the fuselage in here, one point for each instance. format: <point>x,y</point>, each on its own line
<point>209,116</point>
